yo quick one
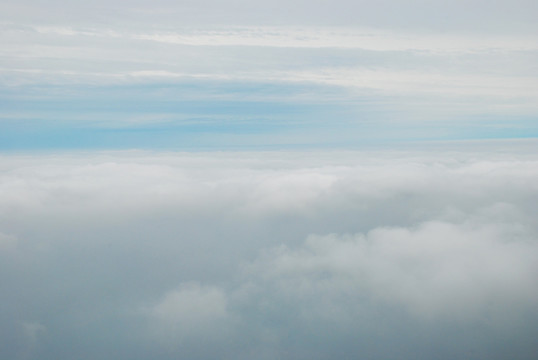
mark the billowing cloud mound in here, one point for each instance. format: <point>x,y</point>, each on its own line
<point>394,255</point>
<point>435,270</point>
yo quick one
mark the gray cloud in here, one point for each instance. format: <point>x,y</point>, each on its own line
<point>285,254</point>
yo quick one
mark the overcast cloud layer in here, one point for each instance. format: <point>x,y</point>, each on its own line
<point>278,255</point>
<point>245,74</point>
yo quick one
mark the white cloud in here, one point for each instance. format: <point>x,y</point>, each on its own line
<point>496,71</point>
<point>191,306</point>
<point>409,82</point>
<point>334,37</point>
<point>289,254</point>
<point>190,316</point>
<point>464,272</point>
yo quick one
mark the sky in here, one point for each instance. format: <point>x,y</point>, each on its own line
<point>236,75</point>
<point>252,180</point>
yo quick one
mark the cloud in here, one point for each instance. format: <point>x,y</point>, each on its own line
<point>334,37</point>
<point>392,254</point>
<point>400,285</point>
<point>461,272</point>
<point>7,242</point>
<point>32,331</point>
<point>191,305</point>
<point>189,314</point>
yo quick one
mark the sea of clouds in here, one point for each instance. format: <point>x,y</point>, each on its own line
<point>270,255</point>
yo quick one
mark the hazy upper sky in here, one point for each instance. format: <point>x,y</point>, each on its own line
<point>260,74</point>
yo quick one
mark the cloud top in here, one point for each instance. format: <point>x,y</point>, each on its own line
<point>279,254</point>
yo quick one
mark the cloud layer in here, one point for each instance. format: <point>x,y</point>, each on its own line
<point>270,255</point>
